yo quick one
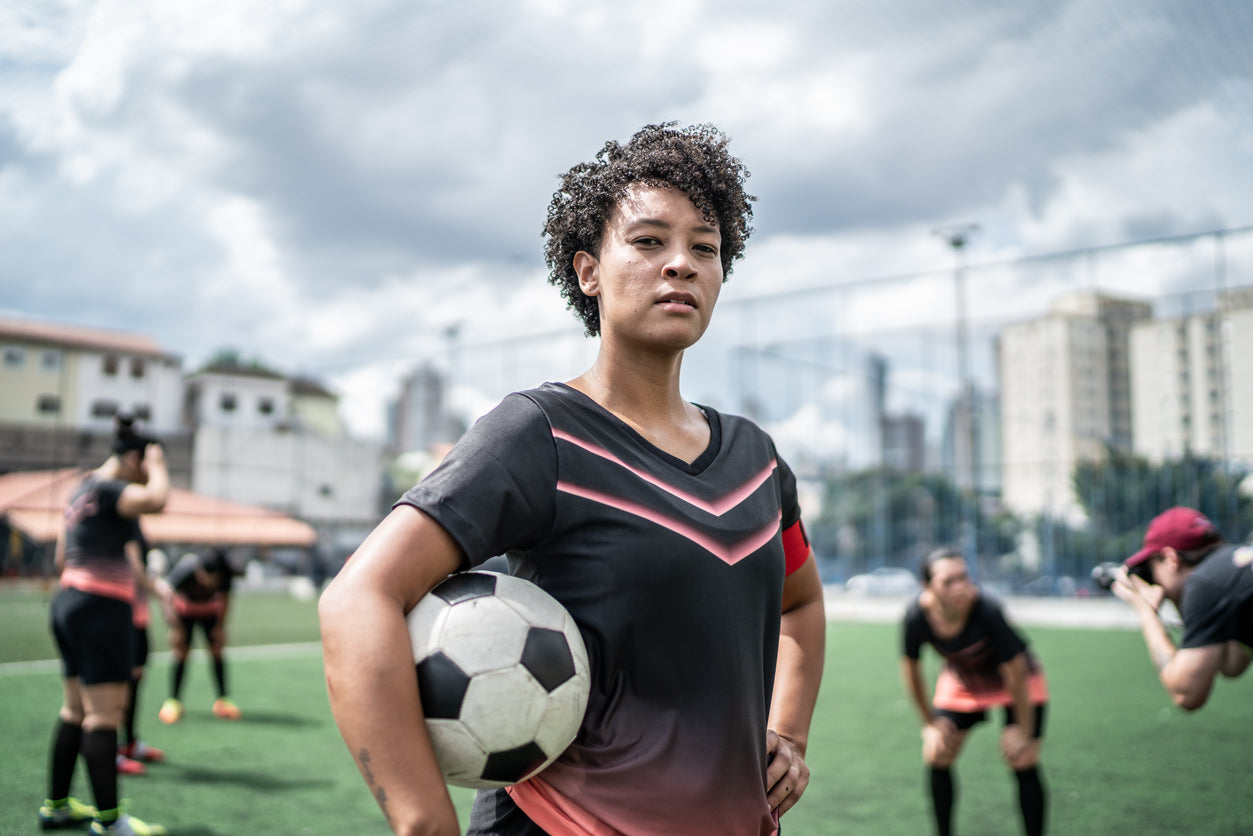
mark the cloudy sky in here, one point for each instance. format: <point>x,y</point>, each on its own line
<point>332,187</point>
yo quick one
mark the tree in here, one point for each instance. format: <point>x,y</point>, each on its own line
<point>881,517</point>
<point>1121,493</point>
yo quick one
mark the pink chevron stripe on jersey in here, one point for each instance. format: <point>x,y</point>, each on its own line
<point>717,507</point>
<point>730,554</point>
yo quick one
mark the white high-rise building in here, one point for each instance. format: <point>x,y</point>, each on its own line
<point>1065,396</point>
<point>1192,383</point>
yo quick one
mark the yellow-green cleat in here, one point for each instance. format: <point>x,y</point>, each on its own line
<point>127,826</point>
<point>171,711</point>
<point>69,813</point>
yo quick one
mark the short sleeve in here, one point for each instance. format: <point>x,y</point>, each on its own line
<point>1204,614</point>
<point>1006,643</point>
<point>913,632</point>
<point>495,490</point>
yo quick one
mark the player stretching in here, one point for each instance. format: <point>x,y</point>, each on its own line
<point>202,598</point>
<point>671,533</point>
<point>986,664</point>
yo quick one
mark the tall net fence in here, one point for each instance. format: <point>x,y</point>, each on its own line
<point>888,396</point>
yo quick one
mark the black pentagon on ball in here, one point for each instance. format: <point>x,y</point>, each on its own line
<point>442,686</point>
<point>547,656</point>
<point>464,586</point>
<point>513,765</point>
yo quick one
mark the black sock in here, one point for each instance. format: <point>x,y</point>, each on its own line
<point>100,754</point>
<point>1032,798</point>
<point>176,677</point>
<point>132,705</point>
<point>66,740</point>
<point>219,674</point>
<point>943,797</point>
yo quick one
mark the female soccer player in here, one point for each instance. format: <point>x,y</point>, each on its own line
<point>91,621</point>
<point>986,664</point>
<point>670,532</point>
<point>202,598</point>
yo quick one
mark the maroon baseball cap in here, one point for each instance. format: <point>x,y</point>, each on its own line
<point>1182,529</point>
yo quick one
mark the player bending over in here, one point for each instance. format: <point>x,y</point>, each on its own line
<point>987,664</point>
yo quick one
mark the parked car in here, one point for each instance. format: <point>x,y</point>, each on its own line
<point>886,580</point>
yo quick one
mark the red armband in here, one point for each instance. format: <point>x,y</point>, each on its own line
<point>795,547</point>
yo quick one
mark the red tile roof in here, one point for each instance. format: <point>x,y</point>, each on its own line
<point>33,501</point>
<point>58,334</point>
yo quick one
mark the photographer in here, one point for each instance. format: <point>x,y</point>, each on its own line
<point>1186,561</point>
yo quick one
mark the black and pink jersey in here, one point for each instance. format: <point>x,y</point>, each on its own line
<point>674,573</point>
<point>95,540</point>
<point>971,677</point>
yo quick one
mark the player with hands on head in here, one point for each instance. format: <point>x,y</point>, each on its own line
<point>1186,561</point>
<point>669,531</point>
<point>91,619</point>
<point>987,664</point>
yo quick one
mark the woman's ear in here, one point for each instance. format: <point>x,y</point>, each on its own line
<point>587,268</point>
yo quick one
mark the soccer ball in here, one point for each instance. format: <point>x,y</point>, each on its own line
<point>503,676</point>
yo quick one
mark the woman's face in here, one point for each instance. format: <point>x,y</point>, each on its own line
<point>950,583</point>
<point>659,271</point>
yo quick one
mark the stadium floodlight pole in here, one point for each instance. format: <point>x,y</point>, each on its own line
<point>957,236</point>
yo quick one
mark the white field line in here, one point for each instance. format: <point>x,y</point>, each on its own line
<point>261,651</point>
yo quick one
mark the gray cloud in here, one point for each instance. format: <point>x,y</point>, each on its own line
<point>216,181</point>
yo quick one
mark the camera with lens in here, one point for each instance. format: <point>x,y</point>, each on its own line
<point>1104,574</point>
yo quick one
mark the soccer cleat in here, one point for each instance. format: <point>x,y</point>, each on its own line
<point>126,766</point>
<point>171,711</point>
<point>142,752</point>
<point>127,826</point>
<point>226,709</point>
<point>73,813</point>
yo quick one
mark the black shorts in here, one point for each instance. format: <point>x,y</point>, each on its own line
<point>207,623</point>
<point>93,634</point>
<point>965,720</point>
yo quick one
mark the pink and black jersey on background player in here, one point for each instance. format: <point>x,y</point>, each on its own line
<point>971,680</point>
<point>95,540</point>
<point>674,573</point>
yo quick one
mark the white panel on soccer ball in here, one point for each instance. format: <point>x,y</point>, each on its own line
<point>423,621</point>
<point>460,755</point>
<point>502,708</point>
<point>534,604</point>
<point>482,635</point>
<point>563,714</point>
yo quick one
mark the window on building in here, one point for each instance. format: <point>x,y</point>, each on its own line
<point>228,402</point>
<point>143,412</point>
<point>50,361</point>
<point>137,367</point>
<point>104,409</point>
<point>266,406</point>
<point>109,364</point>
<point>14,357</point>
<point>48,404</point>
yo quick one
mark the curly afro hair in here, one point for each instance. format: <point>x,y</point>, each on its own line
<point>693,160</point>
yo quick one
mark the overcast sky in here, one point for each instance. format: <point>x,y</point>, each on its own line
<point>329,186</point>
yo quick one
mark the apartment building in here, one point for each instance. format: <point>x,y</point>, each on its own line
<point>1065,385</point>
<point>1192,383</point>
